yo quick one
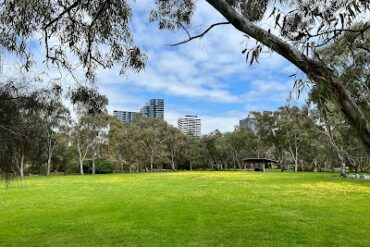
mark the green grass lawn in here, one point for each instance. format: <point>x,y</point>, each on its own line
<point>186,209</point>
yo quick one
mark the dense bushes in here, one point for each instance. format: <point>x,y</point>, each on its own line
<point>103,166</point>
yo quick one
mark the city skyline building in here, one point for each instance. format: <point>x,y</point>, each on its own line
<point>125,116</point>
<point>153,108</point>
<point>190,125</point>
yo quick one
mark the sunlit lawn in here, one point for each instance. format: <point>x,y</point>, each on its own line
<point>186,209</point>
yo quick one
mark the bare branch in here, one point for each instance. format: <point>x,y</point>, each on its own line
<point>11,131</point>
<point>201,34</point>
<point>340,31</point>
<point>185,29</point>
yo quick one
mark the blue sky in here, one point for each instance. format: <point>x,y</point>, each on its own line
<point>208,77</point>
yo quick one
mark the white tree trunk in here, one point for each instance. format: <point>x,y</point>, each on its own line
<point>49,158</point>
<point>296,153</point>
<point>48,166</point>
<point>343,169</point>
<point>80,156</point>
<point>151,162</point>
<point>81,167</point>
<point>151,159</point>
<point>93,163</point>
<point>50,153</point>
<point>21,168</point>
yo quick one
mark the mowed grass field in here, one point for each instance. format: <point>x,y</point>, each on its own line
<point>186,209</point>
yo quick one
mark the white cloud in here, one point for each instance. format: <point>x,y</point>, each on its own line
<point>210,70</point>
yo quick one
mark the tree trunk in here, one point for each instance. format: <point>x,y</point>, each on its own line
<point>49,156</point>
<point>151,160</point>
<point>315,166</point>
<point>21,168</point>
<point>80,156</point>
<point>315,71</point>
<point>342,164</point>
<point>296,152</point>
<point>343,169</point>
<point>235,159</point>
<point>295,165</point>
<point>294,155</point>
<point>48,166</point>
<point>93,163</point>
<point>173,166</point>
<point>51,147</point>
<point>282,161</point>
<point>81,167</point>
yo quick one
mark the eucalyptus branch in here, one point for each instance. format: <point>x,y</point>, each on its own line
<point>201,34</point>
<point>66,10</point>
<point>339,31</point>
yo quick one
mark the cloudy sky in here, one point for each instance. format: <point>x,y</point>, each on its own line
<point>208,77</point>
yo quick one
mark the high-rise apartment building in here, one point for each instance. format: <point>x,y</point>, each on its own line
<point>125,116</point>
<point>190,125</point>
<point>154,108</point>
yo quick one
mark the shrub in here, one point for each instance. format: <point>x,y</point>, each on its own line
<point>104,166</point>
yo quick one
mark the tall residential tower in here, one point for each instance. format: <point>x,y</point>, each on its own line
<point>190,125</point>
<point>154,108</point>
<point>125,116</point>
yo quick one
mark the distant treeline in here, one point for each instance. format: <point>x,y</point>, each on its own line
<point>39,136</point>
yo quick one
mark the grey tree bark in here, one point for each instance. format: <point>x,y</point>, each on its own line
<point>151,159</point>
<point>51,146</point>
<point>81,154</point>
<point>93,162</point>
<point>21,167</point>
<point>294,153</point>
<point>173,165</point>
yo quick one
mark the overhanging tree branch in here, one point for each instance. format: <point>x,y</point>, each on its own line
<point>201,34</point>
<point>315,71</point>
<point>66,10</point>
